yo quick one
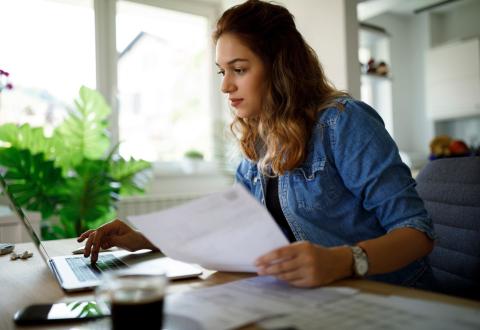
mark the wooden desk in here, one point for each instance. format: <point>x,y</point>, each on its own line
<point>25,282</point>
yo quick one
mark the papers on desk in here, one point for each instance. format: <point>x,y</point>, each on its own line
<point>275,305</point>
<point>239,303</point>
<point>368,311</point>
<point>224,231</point>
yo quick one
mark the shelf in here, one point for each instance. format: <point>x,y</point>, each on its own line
<point>376,77</point>
<point>373,29</point>
<point>370,35</point>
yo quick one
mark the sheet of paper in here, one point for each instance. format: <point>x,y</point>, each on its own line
<point>242,302</point>
<point>224,231</point>
<point>369,311</point>
<point>468,318</point>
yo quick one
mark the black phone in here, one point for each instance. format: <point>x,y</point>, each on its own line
<point>60,312</point>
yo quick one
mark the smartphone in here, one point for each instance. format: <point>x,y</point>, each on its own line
<point>60,312</point>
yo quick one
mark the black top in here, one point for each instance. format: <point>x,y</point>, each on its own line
<point>273,206</point>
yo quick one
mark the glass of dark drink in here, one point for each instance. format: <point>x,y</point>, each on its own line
<point>135,300</point>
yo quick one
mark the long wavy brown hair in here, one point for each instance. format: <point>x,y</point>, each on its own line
<point>297,88</point>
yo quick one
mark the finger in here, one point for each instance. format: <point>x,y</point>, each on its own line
<point>96,243</point>
<point>88,244</point>
<point>85,235</point>
<point>286,252</point>
<point>281,267</point>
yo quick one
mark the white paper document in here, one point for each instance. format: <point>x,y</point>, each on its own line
<point>224,231</point>
<point>371,312</point>
<point>239,303</point>
<point>273,304</point>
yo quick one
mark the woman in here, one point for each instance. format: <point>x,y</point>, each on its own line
<point>321,162</point>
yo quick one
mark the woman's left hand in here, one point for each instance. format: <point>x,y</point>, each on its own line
<point>304,264</point>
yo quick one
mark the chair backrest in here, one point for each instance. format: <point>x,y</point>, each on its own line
<point>450,188</point>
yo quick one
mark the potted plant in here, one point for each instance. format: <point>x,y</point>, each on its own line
<point>74,177</point>
<point>193,158</point>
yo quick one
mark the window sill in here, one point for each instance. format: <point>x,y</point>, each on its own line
<point>190,169</point>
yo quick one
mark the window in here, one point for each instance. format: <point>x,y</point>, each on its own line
<point>48,47</point>
<point>163,79</point>
<point>163,82</point>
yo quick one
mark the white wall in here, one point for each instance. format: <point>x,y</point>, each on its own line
<point>189,184</point>
<point>400,70</point>
<point>421,128</point>
<point>409,41</point>
<point>331,28</point>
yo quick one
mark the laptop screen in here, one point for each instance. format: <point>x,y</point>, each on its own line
<point>21,215</point>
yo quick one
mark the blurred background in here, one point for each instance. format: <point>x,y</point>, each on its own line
<point>415,61</point>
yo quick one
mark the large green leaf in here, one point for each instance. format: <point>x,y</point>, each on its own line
<point>28,137</point>
<point>34,182</point>
<point>102,220</point>
<point>84,132</point>
<point>132,175</point>
<point>69,177</point>
<point>9,133</point>
<point>92,196</point>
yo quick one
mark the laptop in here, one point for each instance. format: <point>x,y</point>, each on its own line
<point>75,273</point>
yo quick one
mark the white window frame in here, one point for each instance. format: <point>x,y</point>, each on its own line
<point>106,61</point>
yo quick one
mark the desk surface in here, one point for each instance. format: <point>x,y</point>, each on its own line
<point>25,282</point>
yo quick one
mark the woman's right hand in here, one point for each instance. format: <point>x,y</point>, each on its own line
<point>115,233</point>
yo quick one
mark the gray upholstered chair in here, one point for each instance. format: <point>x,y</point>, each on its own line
<point>450,189</point>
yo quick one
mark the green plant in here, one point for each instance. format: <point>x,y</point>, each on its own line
<point>74,177</point>
<point>193,154</point>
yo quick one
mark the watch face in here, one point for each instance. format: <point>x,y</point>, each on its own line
<point>362,267</point>
<point>361,261</point>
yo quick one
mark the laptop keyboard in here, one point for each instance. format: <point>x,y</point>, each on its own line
<point>85,271</point>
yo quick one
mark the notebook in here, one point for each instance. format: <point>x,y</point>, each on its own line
<point>75,273</point>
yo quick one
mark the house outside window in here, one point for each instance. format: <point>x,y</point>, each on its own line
<point>163,83</point>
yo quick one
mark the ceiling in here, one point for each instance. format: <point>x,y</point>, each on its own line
<point>369,8</point>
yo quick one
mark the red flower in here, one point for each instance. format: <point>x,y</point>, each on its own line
<point>9,86</point>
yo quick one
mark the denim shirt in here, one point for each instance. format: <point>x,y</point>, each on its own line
<point>351,187</point>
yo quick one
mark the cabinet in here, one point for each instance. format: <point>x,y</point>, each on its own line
<point>453,80</point>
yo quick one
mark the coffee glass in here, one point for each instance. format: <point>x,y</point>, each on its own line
<point>134,300</point>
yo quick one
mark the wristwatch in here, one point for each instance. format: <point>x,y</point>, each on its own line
<point>360,261</point>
